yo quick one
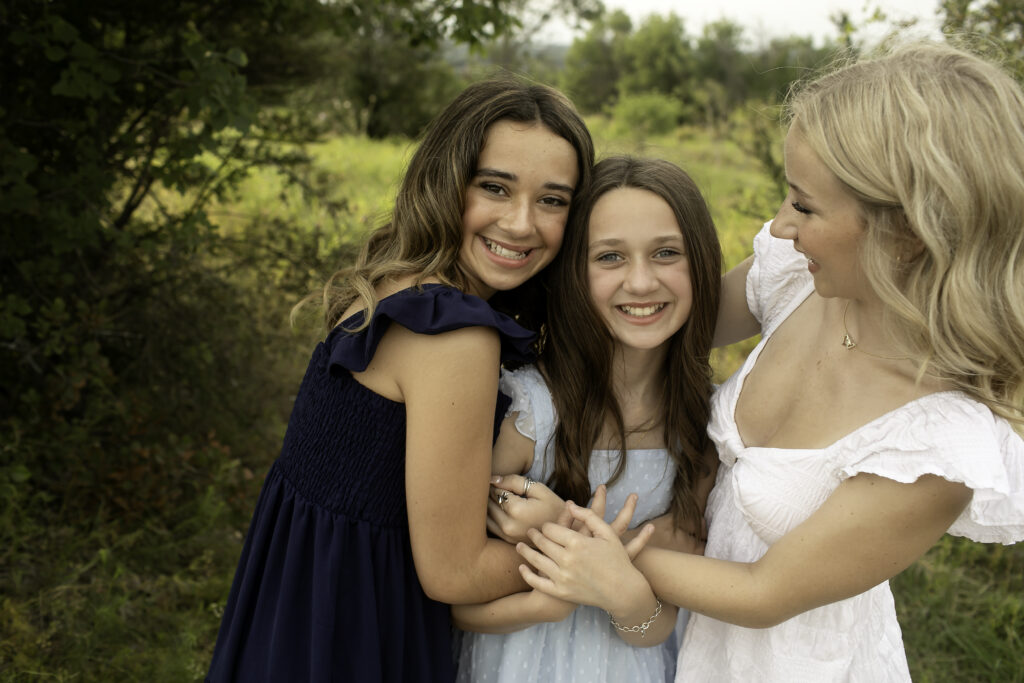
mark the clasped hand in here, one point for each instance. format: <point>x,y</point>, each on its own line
<point>589,565</point>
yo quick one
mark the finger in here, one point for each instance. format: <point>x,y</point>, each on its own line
<point>514,483</point>
<point>622,519</point>
<point>600,500</point>
<point>496,530</point>
<point>563,536</point>
<point>534,580</point>
<point>541,562</point>
<point>595,524</point>
<point>637,543</point>
<point>564,517</point>
<point>496,512</point>
<point>553,549</point>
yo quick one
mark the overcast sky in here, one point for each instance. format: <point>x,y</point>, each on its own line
<point>770,18</point>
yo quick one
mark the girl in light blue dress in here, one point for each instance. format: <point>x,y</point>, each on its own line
<point>617,405</point>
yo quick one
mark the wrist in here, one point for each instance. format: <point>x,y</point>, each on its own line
<point>633,623</point>
<point>635,600</point>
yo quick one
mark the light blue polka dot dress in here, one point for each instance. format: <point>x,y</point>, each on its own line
<point>584,648</point>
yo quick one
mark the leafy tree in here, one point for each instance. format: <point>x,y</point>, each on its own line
<point>658,57</point>
<point>592,66</point>
<point>995,27</point>
<point>142,353</point>
<point>723,68</point>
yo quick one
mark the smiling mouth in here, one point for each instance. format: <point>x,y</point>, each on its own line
<point>641,311</point>
<point>501,251</point>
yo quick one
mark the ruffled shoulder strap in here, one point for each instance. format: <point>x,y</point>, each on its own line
<point>431,309</point>
<point>776,279</point>
<point>535,415</point>
<point>951,435</point>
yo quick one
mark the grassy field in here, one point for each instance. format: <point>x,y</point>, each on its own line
<point>145,606</point>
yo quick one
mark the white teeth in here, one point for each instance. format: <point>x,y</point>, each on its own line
<point>505,253</point>
<point>641,311</point>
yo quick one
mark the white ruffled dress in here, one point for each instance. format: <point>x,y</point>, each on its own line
<point>583,648</point>
<point>762,493</point>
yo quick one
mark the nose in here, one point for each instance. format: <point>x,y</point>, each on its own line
<point>783,226</point>
<point>640,278</point>
<point>518,220</point>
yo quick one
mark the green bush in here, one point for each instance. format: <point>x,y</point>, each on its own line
<point>642,115</point>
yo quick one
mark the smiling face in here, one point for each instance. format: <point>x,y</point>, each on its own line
<point>516,206</point>
<point>637,268</point>
<point>823,219</point>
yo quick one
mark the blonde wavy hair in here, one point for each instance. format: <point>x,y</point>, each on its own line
<point>930,139</point>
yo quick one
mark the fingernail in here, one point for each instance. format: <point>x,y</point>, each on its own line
<point>496,479</point>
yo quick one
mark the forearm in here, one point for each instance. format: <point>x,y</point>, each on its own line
<point>511,613</point>
<point>460,578</point>
<point>728,591</point>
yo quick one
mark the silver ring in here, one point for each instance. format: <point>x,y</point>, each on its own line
<point>526,486</point>
<point>502,499</point>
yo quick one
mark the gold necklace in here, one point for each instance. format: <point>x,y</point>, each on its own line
<point>850,344</point>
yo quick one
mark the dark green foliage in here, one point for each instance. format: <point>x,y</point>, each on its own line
<point>146,363</point>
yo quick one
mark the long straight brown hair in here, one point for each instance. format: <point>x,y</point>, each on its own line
<point>577,356</point>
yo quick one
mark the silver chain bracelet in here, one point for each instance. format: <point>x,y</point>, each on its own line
<point>642,628</point>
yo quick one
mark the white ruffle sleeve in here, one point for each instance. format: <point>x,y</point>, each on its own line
<point>778,280</point>
<point>534,411</point>
<point>950,435</point>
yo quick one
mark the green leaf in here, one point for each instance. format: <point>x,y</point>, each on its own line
<point>237,56</point>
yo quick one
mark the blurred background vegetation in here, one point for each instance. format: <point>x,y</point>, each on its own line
<point>174,176</point>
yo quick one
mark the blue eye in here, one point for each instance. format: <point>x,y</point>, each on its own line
<point>609,257</point>
<point>801,208</point>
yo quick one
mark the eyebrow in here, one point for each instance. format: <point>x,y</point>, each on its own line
<point>798,189</point>
<point>505,175</point>
<point>614,241</point>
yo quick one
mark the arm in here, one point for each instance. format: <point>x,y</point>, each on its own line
<point>511,613</point>
<point>735,321</point>
<point>869,530</point>
<point>449,383</point>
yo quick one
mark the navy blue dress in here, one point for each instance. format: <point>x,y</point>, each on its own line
<point>325,588</point>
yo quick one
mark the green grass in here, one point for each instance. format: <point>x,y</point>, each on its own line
<point>97,600</point>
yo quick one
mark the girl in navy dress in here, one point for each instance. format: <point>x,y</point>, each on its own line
<point>373,516</point>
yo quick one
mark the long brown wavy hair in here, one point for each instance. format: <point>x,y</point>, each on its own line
<point>577,358</point>
<point>424,234</point>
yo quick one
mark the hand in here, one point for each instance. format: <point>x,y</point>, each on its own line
<point>526,507</point>
<point>592,570</point>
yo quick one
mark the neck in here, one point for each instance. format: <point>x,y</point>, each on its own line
<point>861,326</point>
<point>637,380</point>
